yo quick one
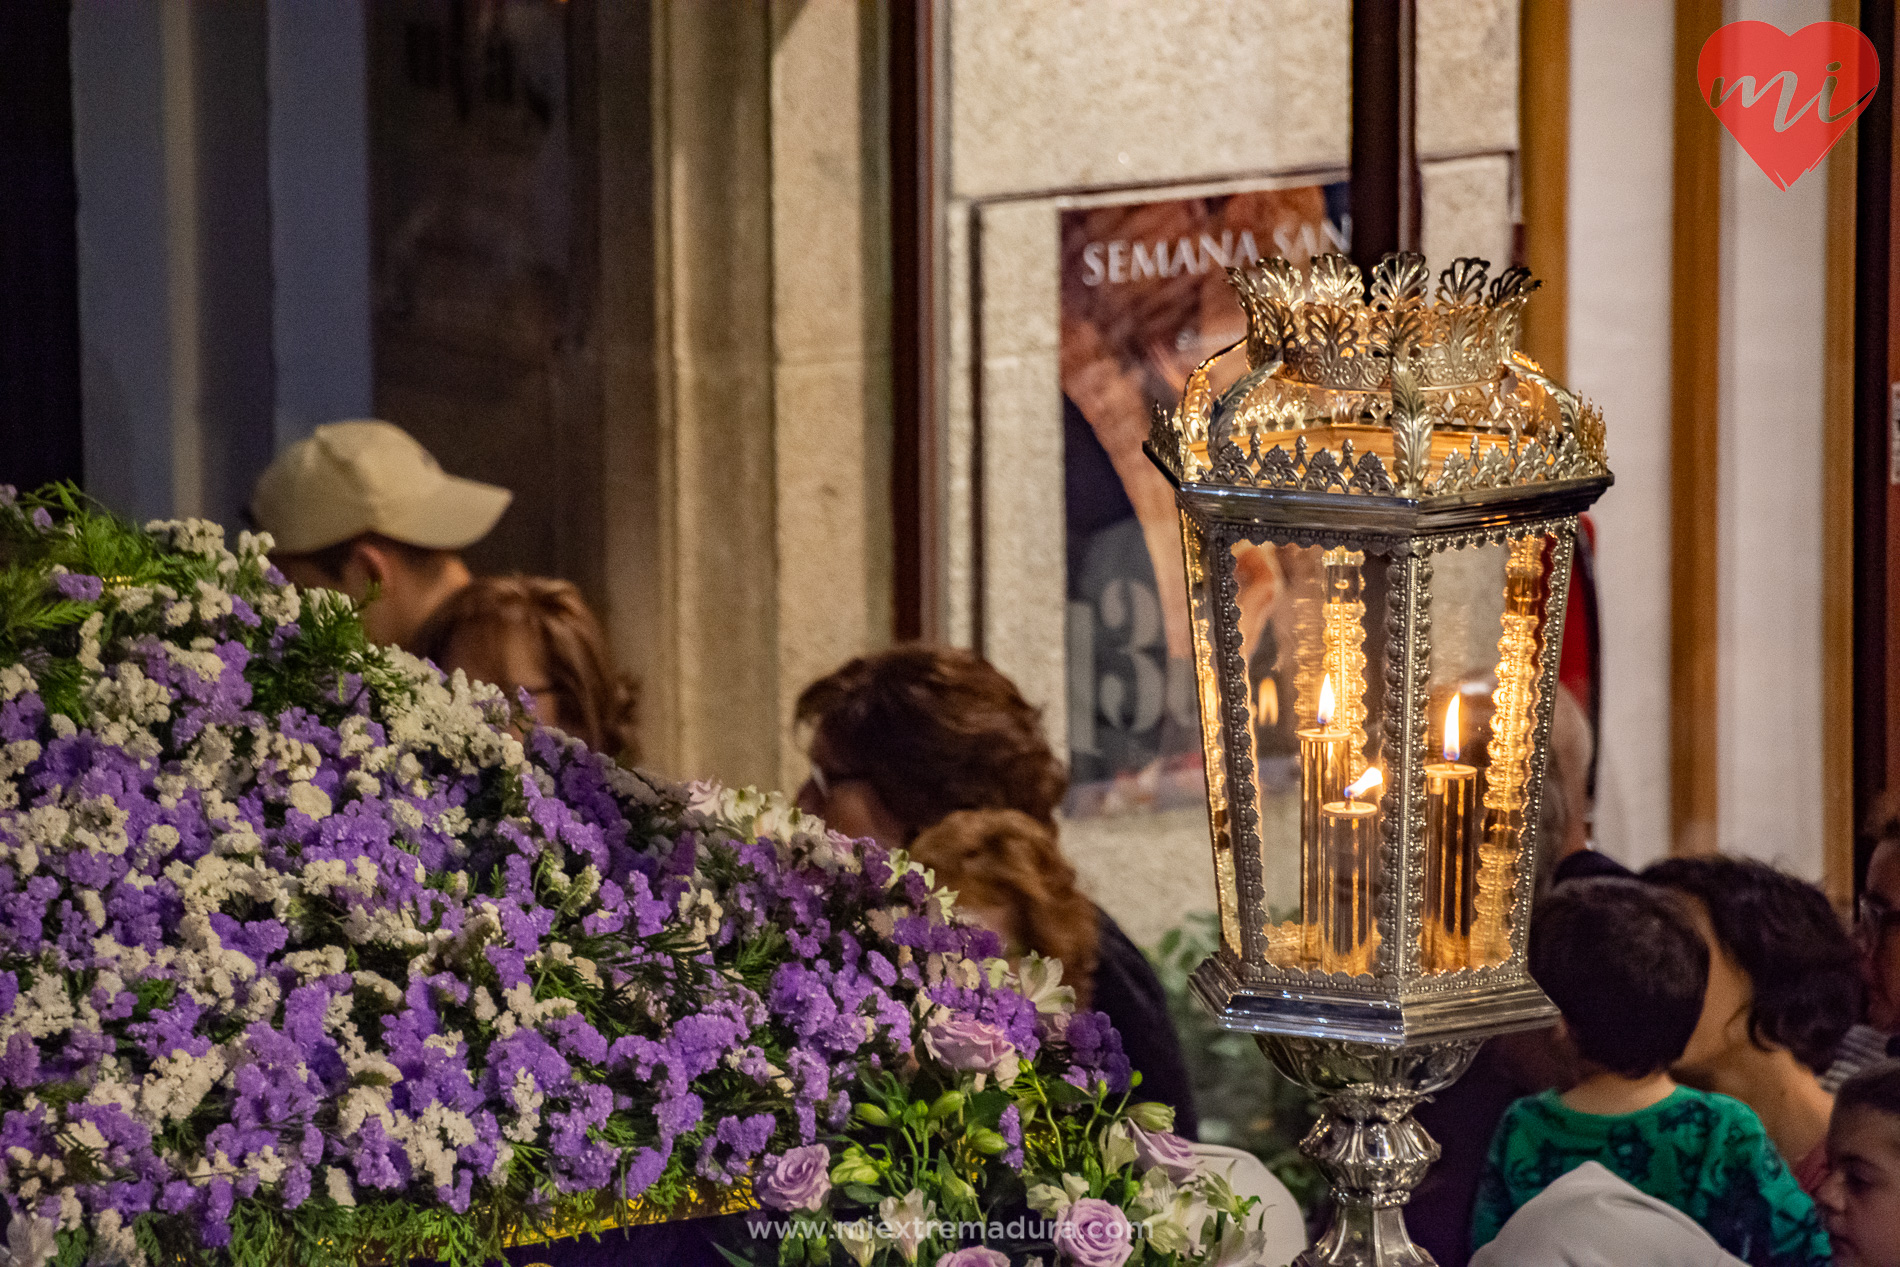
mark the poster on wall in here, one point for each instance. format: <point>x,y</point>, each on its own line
<point>1145,299</point>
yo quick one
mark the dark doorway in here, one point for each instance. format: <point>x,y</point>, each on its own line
<point>40,438</point>
<point>486,260</point>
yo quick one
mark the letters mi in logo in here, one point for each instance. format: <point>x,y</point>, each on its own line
<point>1787,98</point>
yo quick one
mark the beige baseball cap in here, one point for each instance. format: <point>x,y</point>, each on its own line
<point>366,475</point>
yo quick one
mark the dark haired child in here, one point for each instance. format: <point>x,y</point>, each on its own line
<point>1627,970</point>
<point>1862,1192</point>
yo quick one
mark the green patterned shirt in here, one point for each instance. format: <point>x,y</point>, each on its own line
<point>1702,1153</point>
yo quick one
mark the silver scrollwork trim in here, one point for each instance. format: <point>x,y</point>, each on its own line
<point>1243,808</point>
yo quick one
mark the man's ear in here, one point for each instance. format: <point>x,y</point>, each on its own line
<point>373,561</point>
<point>367,565</point>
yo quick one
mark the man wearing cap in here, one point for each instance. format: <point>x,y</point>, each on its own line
<point>361,503</point>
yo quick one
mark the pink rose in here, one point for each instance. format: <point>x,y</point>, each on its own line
<point>1174,1155</point>
<point>972,1046</point>
<point>799,1179</point>
<point>1093,1233</point>
<point>975,1256</point>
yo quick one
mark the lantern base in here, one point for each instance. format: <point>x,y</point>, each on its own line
<point>1366,1141</point>
<point>1365,1236</point>
<point>1322,1010</point>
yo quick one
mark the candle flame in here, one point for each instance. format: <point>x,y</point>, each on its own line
<point>1325,702</point>
<point>1452,748</point>
<point>1364,783</point>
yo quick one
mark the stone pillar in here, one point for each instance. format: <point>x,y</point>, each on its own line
<point>748,509</point>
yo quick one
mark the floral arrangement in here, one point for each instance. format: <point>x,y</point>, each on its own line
<point>308,955</point>
<point>1244,1102</point>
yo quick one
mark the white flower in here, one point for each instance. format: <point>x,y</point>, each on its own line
<point>177,1084</point>
<point>15,681</point>
<point>906,1222</point>
<point>1118,1148</point>
<point>201,537</point>
<point>1040,981</point>
<point>337,1183</point>
<point>1050,1201</point>
<point>527,1102</point>
<point>212,602</point>
<point>317,961</point>
<point>88,655</point>
<point>31,1242</point>
<point>113,1242</point>
<point>1239,1247</point>
<point>309,799</point>
<point>859,1239</point>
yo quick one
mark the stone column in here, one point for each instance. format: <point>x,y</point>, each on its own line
<point>747,481</point>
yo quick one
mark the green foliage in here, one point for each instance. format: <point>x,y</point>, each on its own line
<point>1243,1100</point>
<point>42,628</point>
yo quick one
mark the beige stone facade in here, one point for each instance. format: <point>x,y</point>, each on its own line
<point>758,552</point>
<point>771,534</point>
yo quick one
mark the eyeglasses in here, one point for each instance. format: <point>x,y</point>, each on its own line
<point>1876,915</point>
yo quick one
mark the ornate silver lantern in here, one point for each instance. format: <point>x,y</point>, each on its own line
<point>1379,517</point>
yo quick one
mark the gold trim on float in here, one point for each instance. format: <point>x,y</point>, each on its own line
<point>706,1201</point>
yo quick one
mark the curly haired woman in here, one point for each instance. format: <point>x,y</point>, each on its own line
<point>1783,989</point>
<point>537,634</point>
<point>904,744</point>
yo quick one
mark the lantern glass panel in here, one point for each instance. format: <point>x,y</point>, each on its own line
<point>1311,637</point>
<point>1488,611</point>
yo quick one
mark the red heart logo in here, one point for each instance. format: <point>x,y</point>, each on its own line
<point>1787,98</point>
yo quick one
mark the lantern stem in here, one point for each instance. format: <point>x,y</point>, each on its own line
<point>1373,1151</point>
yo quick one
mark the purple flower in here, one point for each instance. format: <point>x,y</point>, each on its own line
<point>79,587</point>
<point>971,1046</point>
<point>1096,1050</point>
<point>1174,1155</point>
<point>796,1180</point>
<point>1093,1233</point>
<point>553,1004</point>
<point>974,1256</point>
<point>1010,1127</point>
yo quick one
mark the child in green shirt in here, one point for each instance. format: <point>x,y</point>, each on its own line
<point>1627,970</point>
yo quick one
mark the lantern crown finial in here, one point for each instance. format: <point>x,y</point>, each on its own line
<point>1394,388</point>
<point>1330,329</point>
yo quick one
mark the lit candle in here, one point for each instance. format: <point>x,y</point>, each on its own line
<point>1349,845</point>
<point>1451,853</point>
<point>1324,757</point>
